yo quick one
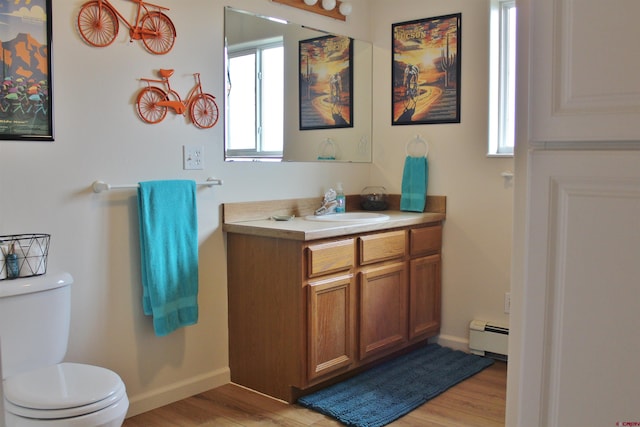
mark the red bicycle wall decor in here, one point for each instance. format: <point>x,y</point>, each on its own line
<point>154,101</point>
<point>98,24</point>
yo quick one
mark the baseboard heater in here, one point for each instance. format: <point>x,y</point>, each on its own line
<point>488,339</point>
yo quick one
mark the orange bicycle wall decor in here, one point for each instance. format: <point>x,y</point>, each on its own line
<point>98,25</point>
<point>153,102</point>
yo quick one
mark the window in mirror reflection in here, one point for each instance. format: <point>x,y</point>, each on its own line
<point>255,100</point>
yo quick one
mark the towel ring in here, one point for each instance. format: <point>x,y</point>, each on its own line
<point>327,150</point>
<point>417,140</point>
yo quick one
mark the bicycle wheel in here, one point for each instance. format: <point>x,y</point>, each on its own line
<point>204,111</point>
<point>158,33</point>
<point>148,107</point>
<point>97,24</point>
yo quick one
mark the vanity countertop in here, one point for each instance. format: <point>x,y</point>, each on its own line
<point>300,228</point>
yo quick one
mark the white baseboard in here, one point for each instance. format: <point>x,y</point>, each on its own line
<point>172,393</point>
<point>163,396</point>
<point>451,341</point>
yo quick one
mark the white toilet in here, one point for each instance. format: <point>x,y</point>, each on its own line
<point>39,390</point>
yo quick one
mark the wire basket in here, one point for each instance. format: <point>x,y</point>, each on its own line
<point>23,255</point>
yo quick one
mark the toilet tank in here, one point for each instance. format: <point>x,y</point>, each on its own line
<point>34,321</point>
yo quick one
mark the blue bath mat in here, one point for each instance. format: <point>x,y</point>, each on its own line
<point>388,391</point>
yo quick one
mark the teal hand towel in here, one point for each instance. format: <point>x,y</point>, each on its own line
<point>415,178</point>
<point>169,253</point>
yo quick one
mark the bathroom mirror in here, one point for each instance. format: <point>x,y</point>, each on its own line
<point>269,48</point>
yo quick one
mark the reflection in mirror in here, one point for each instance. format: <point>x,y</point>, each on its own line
<point>262,105</point>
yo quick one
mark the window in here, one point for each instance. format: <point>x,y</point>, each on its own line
<point>502,85</point>
<point>255,116</point>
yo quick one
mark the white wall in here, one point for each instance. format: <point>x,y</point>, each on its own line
<point>44,187</point>
<point>477,237</point>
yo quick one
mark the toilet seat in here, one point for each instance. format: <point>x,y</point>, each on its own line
<point>62,391</point>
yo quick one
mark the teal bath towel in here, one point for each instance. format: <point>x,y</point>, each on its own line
<point>415,178</point>
<point>169,253</point>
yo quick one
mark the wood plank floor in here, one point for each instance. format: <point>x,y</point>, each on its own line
<point>476,402</point>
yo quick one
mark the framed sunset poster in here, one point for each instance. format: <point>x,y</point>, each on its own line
<point>25,92</point>
<point>426,71</point>
<point>325,77</point>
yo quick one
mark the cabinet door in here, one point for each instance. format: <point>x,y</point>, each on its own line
<point>383,308</point>
<point>331,325</point>
<point>424,296</point>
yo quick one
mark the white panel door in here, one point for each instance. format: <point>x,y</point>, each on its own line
<point>584,70</point>
<point>581,316</point>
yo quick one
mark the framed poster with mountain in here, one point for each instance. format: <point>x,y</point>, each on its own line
<point>25,91</point>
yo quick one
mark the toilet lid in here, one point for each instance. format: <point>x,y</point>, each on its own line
<point>63,386</point>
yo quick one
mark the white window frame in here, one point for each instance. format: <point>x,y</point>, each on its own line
<point>502,79</point>
<point>255,47</point>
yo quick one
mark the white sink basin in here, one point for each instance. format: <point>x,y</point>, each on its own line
<point>349,217</point>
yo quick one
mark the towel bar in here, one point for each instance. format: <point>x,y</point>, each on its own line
<point>100,186</point>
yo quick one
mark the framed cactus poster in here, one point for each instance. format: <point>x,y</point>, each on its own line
<point>25,80</point>
<point>325,76</point>
<point>426,71</point>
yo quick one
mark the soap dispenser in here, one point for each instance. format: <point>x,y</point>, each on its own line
<point>340,198</point>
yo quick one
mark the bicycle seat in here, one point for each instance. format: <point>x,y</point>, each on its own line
<point>165,73</point>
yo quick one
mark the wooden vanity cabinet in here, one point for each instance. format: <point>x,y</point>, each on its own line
<point>304,312</point>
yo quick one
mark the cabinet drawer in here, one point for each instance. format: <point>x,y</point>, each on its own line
<point>425,240</point>
<point>330,257</point>
<point>382,246</point>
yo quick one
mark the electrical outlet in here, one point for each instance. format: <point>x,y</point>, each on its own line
<point>193,157</point>
<point>507,302</point>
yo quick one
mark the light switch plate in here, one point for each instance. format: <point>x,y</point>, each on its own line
<point>193,157</point>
